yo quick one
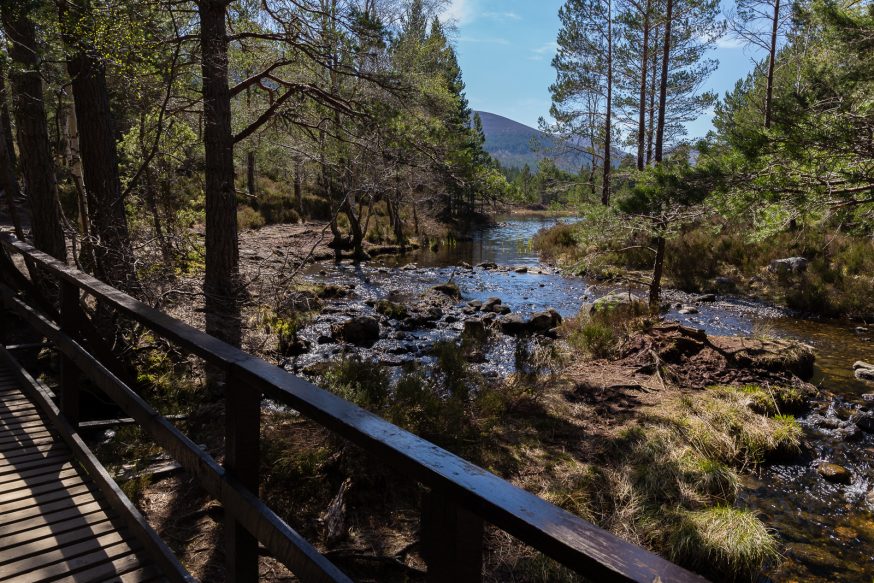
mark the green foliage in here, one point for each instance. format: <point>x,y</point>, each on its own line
<point>249,218</point>
<point>359,381</point>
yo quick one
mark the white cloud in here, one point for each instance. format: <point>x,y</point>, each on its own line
<point>459,12</point>
<point>545,50</point>
<point>484,40</point>
<point>728,42</point>
<point>502,16</point>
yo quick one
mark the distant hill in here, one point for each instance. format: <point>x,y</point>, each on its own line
<point>514,144</point>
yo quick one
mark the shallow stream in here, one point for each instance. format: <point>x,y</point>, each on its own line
<point>827,530</point>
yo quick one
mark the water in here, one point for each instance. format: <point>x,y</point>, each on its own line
<point>827,529</point>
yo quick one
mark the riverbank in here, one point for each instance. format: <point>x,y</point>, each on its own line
<point>813,272</point>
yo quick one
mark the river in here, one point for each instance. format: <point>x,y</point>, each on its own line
<point>827,530</point>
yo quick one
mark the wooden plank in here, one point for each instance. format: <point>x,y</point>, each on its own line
<point>26,476</point>
<point>98,557</point>
<point>37,449</point>
<point>144,575</point>
<point>49,518</point>
<point>45,508</point>
<point>15,440</point>
<point>28,482</point>
<point>28,504</point>
<point>25,567</point>
<point>118,566</point>
<point>51,531</point>
<point>31,460</point>
<point>46,544</point>
<point>130,515</point>
<point>26,493</point>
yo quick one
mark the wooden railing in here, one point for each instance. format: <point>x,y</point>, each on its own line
<point>461,495</point>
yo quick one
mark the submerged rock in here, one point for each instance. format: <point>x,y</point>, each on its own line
<point>448,289</point>
<point>835,473</point>
<point>360,330</point>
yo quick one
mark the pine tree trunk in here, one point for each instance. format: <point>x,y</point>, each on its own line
<point>650,133</point>
<point>28,105</point>
<point>250,173</point>
<point>222,282</point>
<point>9,183</point>
<point>644,67</point>
<point>5,118</point>
<point>608,123</point>
<point>663,86</point>
<point>772,57</point>
<point>113,252</point>
<point>298,187</point>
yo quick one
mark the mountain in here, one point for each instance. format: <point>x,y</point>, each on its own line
<point>514,144</point>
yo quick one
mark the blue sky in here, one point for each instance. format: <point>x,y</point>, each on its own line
<point>505,48</point>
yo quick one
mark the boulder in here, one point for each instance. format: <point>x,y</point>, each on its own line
<point>360,331</point>
<point>490,305</point>
<point>521,270</point>
<point>487,265</point>
<point>788,265</point>
<point>476,304</point>
<point>618,302</point>
<point>544,321</point>
<point>475,328</point>
<point>514,325</point>
<point>868,397</point>
<point>688,310</point>
<point>704,298</point>
<point>834,473</point>
<point>862,364</point>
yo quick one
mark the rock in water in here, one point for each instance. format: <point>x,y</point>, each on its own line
<point>475,328</point>
<point>864,374</point>
<point>865,422</point>
<point>788,265</point>
<point>360,330</point>
<point>835,473</point>
<point>705,298</point>
<point>862,364</point>
<point>513,325</point>
<point>688,310</point>
<point>618,302</point>
<point>448,289</point>
<point>544,321</point>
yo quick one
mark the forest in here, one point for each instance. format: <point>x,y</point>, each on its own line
<point>671,342</point>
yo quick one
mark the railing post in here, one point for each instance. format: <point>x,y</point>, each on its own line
<point>70,375</point>
<point>242,433</point>
<point>452,541</point>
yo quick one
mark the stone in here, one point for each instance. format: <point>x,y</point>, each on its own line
<point>490,304</point>
<point>688,310</point>
<point>487,265</point>
<point>834,473</point>
<point>788,265</point>
<point>513,325</point>
<point>861,330</point>
<point>448,289</point>
<point>360,331</point>
<point>865,422</point>
<point>521,270</point>
<point>622,302</point>
<point>324,340</point>
<point>544,321</point>
<point>849,433</point>
<point>409,267</point>
<point>704,298</point>
<point>868,397</point>
<point>862,364</point>
<point>476,304</point>
<point>450,319</point>
<point>864,374</point>
<point>465,265</point>
<point>475,328</point>
<point>293,347</point>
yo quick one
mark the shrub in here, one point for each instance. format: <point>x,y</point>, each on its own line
<point>362,382</point>
<point>249,218</point>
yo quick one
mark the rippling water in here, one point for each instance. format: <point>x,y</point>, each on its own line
<point>827,529</point>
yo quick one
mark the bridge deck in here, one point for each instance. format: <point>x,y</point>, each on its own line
<point>54,523</point>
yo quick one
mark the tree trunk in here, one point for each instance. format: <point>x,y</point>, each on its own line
<point>5,118</point>
<point>663,89</point>
<point>608,123</point>
<point>9,183</point>
<point>655,287</point>
<point>250,173</point>
<point>644,67</point>
<point>222,282</point>
<point>298,187</point>
<point>113,252</point>
<point>772,57</point>
<point>28,105</point>
<point>650,134</point>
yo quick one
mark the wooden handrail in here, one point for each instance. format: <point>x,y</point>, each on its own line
<point>572,541</point>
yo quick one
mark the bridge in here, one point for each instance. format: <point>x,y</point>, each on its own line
<point>62,516</point>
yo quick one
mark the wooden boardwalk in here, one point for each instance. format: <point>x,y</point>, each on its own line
<point>54,523</point>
